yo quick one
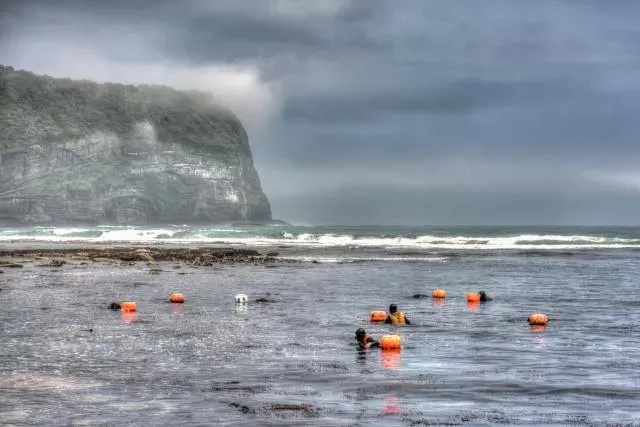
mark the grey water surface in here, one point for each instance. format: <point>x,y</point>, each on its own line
<point>67,360</point>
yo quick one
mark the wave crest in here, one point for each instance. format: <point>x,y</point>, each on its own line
<point>266,236</point>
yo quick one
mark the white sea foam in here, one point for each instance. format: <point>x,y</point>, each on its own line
<point>351,259</point>
<point>239,236</point>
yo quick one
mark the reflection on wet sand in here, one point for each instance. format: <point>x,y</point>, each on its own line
<point>391,359</point>
<point>538,328</point>
<point>391,405</point>
<point>129,317</point>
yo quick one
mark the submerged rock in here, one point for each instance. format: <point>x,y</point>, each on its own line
<point>8,264</point>
<point>194,257</point>
<point>302,407</point>
<point>54,263</point>
<point>281,409</point>
<point>143,255</point>
<point>75,152</point>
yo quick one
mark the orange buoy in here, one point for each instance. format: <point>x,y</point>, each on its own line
<point>390,342</point>
<point>538,319</point>
<point>471,297</point>
<point>378,316</point>
<point>128,307</point>
<point>176,297</point>
<point>439,293</point>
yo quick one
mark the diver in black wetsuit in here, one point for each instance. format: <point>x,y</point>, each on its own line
<point>364,340</point>
<point>484,297</point>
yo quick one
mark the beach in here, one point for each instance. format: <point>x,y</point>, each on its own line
<point>288,357</point>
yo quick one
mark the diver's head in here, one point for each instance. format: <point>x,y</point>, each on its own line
<point>484,296</point>
<point>360,334</point>
<point>393,308</point>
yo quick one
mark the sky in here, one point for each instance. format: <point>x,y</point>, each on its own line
<point>415,112</point>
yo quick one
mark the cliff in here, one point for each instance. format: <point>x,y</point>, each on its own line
<point>78,152</point>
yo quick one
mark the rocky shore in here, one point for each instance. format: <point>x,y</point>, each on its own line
<point>18,258</point>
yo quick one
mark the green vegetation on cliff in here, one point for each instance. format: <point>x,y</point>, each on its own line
<point>43,109</point>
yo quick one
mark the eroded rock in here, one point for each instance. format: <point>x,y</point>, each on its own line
<point>110,153</point>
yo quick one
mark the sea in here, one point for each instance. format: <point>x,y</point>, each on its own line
<point>292,359</point>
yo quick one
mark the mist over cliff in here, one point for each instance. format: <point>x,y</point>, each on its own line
<point>74,152</point>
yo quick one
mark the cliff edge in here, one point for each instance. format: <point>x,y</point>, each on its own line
<point>78,152</point>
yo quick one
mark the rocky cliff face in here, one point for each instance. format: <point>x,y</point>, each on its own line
<point>74,152</point>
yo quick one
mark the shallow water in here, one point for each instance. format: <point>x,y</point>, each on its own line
<point>294,361</point>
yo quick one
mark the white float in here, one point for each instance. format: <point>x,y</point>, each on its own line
<point>241,299</point>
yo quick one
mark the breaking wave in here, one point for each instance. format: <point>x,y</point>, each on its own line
<point>385,238</point>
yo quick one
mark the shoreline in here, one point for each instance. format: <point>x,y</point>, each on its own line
<point>193,256</point>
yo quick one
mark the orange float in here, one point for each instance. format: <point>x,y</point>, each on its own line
<point>390,342</point>
<point>176,297</point>
<point>439,293</point>
<point>538,319</point>
<point>378,316</point>
<point>128,307</point>
<point>471,297</point>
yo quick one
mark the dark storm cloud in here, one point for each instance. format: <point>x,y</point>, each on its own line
<point>201,31</point>
<point>407,111</point>
<point>455,98</point>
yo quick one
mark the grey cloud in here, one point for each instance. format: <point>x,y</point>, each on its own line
<point>238,36</point>
<point>457,97</point>
<point>198,31</point>
<point>521,98</point>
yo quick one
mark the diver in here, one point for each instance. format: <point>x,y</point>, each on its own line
<point>364,340</point>
<point>396,317</point>
<point>484,297</point>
